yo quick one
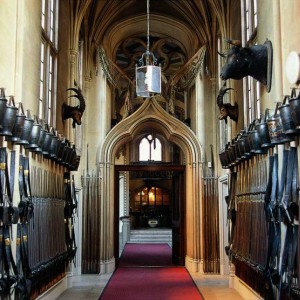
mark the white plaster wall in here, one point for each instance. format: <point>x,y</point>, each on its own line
<point>290,34</point>
<point>279,22</point>
<point>20,50</point>
<point>63,68</point>
<point>8,23</point>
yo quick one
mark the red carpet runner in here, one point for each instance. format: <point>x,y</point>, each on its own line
<point>150,255</point>
<point>133,282</point>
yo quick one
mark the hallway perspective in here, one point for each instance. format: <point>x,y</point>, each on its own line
<point>145,271</point>
<point>150,148</point>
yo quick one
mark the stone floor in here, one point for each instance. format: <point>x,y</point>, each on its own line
<point>212,287</point>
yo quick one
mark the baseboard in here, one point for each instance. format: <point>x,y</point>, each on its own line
<point>245,290</point>
<point>57,289</point>
<point>107,266</point>
<point>193,265</point>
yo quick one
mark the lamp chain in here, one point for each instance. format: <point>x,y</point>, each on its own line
<point>148,33</point>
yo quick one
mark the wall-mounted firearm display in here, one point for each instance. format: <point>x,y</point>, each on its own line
<point>263,201</point>
<point>271,129</point>
<point>34,134</point>
<point>52,245</point>
<point>263,215</point>
<point>45,241</point>
<point>91,220</point>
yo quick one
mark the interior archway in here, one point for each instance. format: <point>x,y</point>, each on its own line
<point>152,115</point>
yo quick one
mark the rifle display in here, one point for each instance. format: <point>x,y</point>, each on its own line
<point>211,254</point>
<point>264,234</point>
<point>91,224</point>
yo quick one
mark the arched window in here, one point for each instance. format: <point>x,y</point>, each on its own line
<point>150,149</point>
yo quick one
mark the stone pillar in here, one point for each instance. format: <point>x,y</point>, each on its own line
<point>125,230</point>
<point>231,276</point>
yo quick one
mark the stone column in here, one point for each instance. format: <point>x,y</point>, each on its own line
<point>125,230</point>
<point>231,276</point>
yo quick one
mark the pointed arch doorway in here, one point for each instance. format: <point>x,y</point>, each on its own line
<point>152,115</point>
<point>177,207</point>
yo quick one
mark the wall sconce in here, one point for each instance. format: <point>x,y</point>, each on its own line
<point>292,68</point>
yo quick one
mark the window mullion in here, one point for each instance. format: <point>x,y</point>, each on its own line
<point>43,64</point>
<point>48,61</point>
<point>251,89</point>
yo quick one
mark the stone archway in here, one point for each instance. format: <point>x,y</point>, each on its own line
<point>152,114</point>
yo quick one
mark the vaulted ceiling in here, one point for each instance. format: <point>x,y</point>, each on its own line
<point>178,29</point>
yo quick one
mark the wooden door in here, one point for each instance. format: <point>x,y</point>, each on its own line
<point>178,216</point>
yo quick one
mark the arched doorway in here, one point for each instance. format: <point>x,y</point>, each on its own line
<point>176,206</point>
<point>152,115</point>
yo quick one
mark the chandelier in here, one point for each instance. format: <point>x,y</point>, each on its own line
<point>147,73</point>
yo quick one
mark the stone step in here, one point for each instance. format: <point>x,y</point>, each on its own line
<point>150,241</point>
<point>166,236</point>
<point>151,236</point>
<point>151,231</point>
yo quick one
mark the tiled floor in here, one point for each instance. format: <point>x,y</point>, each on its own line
<point>212,287</point>
<point>86,287</point>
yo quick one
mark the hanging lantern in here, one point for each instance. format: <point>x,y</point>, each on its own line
<point>147,74</point>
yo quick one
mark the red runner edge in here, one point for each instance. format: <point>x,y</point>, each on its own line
<point>167,283</point>
<point>146,272</point>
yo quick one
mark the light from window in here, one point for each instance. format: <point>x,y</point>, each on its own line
<point>255,13</point>
<point>150,149</point>
<point>156,150</point>
<point>144,150</point>
<point>43,15</point>
<point>42,80</point>
<point>50,88</point>
<point>51,21</point>
<point>257,88</point>
<point>251,86</point>
<point>247,16</point>
<point>48,59</point>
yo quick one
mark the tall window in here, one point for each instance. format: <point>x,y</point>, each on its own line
<point>150,149</point>
<point>48,59</point>
<point>251,86</point>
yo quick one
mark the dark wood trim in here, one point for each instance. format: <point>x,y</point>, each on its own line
<point>116,218</point>
<point>175,168</point>
<point>179,168</point>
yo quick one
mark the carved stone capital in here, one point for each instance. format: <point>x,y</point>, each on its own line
<point>73,55</point>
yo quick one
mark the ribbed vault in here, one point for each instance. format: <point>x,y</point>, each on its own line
<point>189,23</point>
